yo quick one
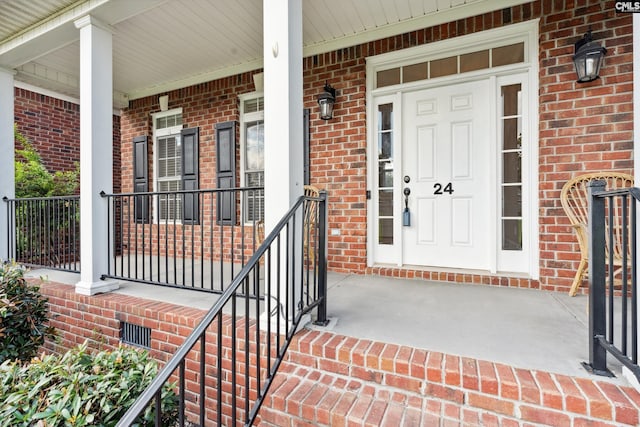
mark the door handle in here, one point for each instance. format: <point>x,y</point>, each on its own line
<point>406,215</point>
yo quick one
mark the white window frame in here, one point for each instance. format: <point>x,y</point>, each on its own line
<point>159,133</point>
<point>526,32</point>
<point>245,118</point>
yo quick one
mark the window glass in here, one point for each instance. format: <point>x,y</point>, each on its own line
<point>511,122</point>
<point>388,77</point>
<point>443,67</point>
<point>168,165</point>
<point>474,61</point>
<point>415,72</point>
<point>505,55</point>
<point>385,174</point>
<point>253,157</point>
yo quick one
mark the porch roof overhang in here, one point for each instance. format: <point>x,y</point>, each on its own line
<point>161,45</point>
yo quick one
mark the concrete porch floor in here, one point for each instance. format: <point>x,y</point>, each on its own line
<point>531,329</point>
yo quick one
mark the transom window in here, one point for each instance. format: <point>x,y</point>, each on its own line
<point>457,64</point>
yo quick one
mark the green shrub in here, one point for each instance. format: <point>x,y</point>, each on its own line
<point>80,389</point>
<point>32,177</point>
<point>23,315</point>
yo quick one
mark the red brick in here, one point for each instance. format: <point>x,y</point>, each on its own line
<point>625,411</point>
<point>551,396</point>
<point>488,377</point>
<point>470,374</point>
<point>435,367</point>
<point>341,409</point>
<point>404,383</point>
<point>490,403</point>
<point>508,386</point>
<point>599,406</point>
<point>528,388</point>
<point>544,416</point>
<point>376,413</point>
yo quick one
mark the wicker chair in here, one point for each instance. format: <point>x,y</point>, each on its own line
<point>575,202</point>
<point>310,225</point>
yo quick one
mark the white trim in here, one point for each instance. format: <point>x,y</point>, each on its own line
<point>508,34</point>
<point>526,32</point>
<point>154,136</point>
<point>46,92</point>
<point>626,373</point>
<point>392,253</point>
<point>243,118</point>
<point>197,79</point>
<point>440,17</point>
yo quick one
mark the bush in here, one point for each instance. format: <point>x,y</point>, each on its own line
<point>32,177</point>
<point>23,315</point>
<point>80,389</point>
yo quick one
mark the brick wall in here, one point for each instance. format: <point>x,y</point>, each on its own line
<point>52,126</point>
<point>583,127</point>
<point>329,379</point>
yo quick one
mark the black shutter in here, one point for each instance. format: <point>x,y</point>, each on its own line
<point>306,137</point>
<point>190,143</point>
<point>140,179</point>
<point>226,171</point>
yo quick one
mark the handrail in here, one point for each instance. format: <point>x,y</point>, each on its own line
<point>282,247</point>
<point>187,239</point>
<point>44,231</point>
<point>613,212</point>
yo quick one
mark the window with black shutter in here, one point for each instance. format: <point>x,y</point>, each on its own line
<point>226,171</point>
<point>190,180</point>
<point>140,179</point>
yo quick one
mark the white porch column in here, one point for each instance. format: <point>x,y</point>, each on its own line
<point>283,158</point>
<point>7,173</point>
<point>96,152</point>
<point>283,145</point>
<point>636,151</point>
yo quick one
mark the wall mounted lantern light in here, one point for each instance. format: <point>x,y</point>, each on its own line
<point>588,58</point>
<point>326,100</point>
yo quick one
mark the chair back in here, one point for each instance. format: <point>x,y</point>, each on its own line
<point>575,202</point>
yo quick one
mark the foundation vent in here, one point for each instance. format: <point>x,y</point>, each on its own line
<point>135,335</point>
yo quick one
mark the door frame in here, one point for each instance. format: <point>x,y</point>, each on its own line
<point>527,33</point>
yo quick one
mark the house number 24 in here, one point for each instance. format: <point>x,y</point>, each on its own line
<point>448,188</point>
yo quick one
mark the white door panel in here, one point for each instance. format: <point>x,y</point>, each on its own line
<point>446,156</point>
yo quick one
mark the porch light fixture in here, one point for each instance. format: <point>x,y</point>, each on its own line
<point>326,100</point>
<point>588,58</point>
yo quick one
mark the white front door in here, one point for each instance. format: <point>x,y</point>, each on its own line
<point>446,165</point>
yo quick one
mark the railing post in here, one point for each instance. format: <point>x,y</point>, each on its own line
<point>6,256</point>
<point>322,259</point>
<point>597,276</point>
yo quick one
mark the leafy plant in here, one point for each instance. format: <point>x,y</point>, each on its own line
<point>32,177</point>
<point>80,389</point>
<point>23,315</point>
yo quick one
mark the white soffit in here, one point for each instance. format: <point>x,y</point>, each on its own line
<point>160,45</point>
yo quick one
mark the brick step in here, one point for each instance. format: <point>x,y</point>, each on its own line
<point>334,380</point>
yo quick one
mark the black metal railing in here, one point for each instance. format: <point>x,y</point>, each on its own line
<point>225,367</point>
<point>613,292</point>
<point>186,239</point>
<point>44,232</point>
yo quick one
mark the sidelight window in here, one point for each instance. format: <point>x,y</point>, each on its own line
<point>511,156</point>
<point>385,174</point>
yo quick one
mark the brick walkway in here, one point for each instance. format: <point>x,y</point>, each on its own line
<point>333,380</point>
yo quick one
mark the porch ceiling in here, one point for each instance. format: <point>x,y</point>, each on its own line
<point>161,45</point>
